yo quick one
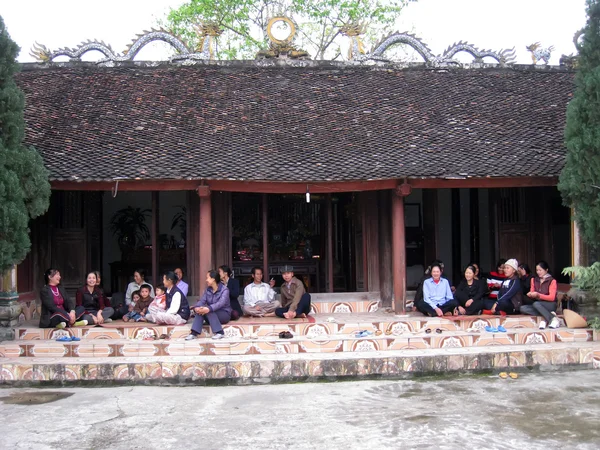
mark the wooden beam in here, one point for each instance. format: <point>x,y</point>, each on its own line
<point>329,243</point>
<point>399,254</point>
<point>205,240</point>
<point>265,238</point>
<point>154,239</point>
<point>325,187</point>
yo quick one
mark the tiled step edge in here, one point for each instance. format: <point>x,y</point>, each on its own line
<point>262,369</point>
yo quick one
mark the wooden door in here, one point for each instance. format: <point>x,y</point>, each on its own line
<point>515,237</point>
<point>69,238</point>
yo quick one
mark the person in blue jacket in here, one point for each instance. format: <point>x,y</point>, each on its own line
<point>437,295</point>
<point>510,295</point>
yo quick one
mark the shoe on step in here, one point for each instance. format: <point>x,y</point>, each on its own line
<point>191,337</point>
<point>61,325</point>
<point>555,323</point>
<point>218,336</point>
<point>109,320</point>
<point>542,325</point>
<point>81,323</point>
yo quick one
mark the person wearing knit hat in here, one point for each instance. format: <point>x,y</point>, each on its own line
<point>510,295</point>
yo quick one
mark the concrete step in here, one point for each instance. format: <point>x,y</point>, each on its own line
<point>321,303</point>
<point>270,343</point>
<point>248,369</point>
<point>316,324</point>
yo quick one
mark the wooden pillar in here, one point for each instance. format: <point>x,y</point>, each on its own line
<point>329,244</point>
<point>154,239</point>
<point>386,287</point>
<point>205,240</point>
<point>399,248</point>
<point>265,237</point>
<point>474,212</point>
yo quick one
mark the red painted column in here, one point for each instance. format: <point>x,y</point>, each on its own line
<point>265,238</point>
<point>399,248</point>
<point>154,240</point>
<point>205,239</point>
<point>329,244</point>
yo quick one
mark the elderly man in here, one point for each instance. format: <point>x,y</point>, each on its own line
<point>182,285</point>
<point>294,299</point>
<point>259,297</point>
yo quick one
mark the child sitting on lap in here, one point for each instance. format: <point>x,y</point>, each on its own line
<point>158,305</point>
<point>141,300</point>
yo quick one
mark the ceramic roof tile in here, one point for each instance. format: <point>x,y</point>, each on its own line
<point>295,124</point>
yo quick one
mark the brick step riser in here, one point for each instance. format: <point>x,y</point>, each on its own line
<point>297,328</point>
<point>272,345</point>
<point>202,371</point>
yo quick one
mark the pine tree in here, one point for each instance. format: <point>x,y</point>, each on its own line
<point>24,186</point>
<point>580,178</point>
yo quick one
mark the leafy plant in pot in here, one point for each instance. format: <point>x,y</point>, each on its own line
<point>180,220</point>
<point>128,225</point>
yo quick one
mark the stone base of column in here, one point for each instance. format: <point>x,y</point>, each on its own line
<point>10,308</point>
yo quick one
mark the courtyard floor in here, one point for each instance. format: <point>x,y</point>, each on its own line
<point>535,411</point>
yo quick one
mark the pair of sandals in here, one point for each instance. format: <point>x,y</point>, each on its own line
<point>163,336</point>
<point>437,330</point>
<point>285,335</point>
<point>491,329</point>
<point>68,339</point>
<point>505,375</point>
<point>363,333</point>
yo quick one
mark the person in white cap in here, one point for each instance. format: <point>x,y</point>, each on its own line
<point>510,295</point>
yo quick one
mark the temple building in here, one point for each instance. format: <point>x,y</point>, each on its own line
<point>356,173</point>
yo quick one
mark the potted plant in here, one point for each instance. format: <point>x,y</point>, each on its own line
<point>128,225</point>
<point>180,220</point>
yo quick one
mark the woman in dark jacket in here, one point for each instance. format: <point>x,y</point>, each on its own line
<point>58,310</point>
<point>233,286</point>
<point>510,296</point>
<point>469,293</point>
<point>91,297</point>
<point>213,307</point>
<point>525,277</point>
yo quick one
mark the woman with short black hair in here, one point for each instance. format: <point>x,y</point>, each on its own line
<point>469,293</point>
<point>58,309</point>
<point>91,297</point>
<point>233,286</point>
<point>542,297</point>
<point>525,277</point>
<point>437,295</point>
<point>212,308</point>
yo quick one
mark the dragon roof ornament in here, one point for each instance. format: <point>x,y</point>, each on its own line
<point>279,47</point>
<point>503,56</point>
<point>44,55</point>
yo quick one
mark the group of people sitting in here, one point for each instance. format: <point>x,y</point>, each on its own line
<point>509,289</point>
<point>167,303</point>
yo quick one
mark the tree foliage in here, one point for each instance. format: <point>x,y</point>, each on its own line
<point>244,23</point>
<point>580,178</point>
<point>24,186</point>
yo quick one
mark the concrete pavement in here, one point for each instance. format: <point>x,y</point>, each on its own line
<point>536,411</point>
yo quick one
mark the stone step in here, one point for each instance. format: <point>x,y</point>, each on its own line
<point>321,303</point>
<point>270,343</point>
<point>249,369</point>
<point>317,324</point>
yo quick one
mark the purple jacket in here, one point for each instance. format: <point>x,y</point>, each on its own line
<point>215,301</point>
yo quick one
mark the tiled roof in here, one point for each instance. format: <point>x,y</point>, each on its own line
<point>295,124</point>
